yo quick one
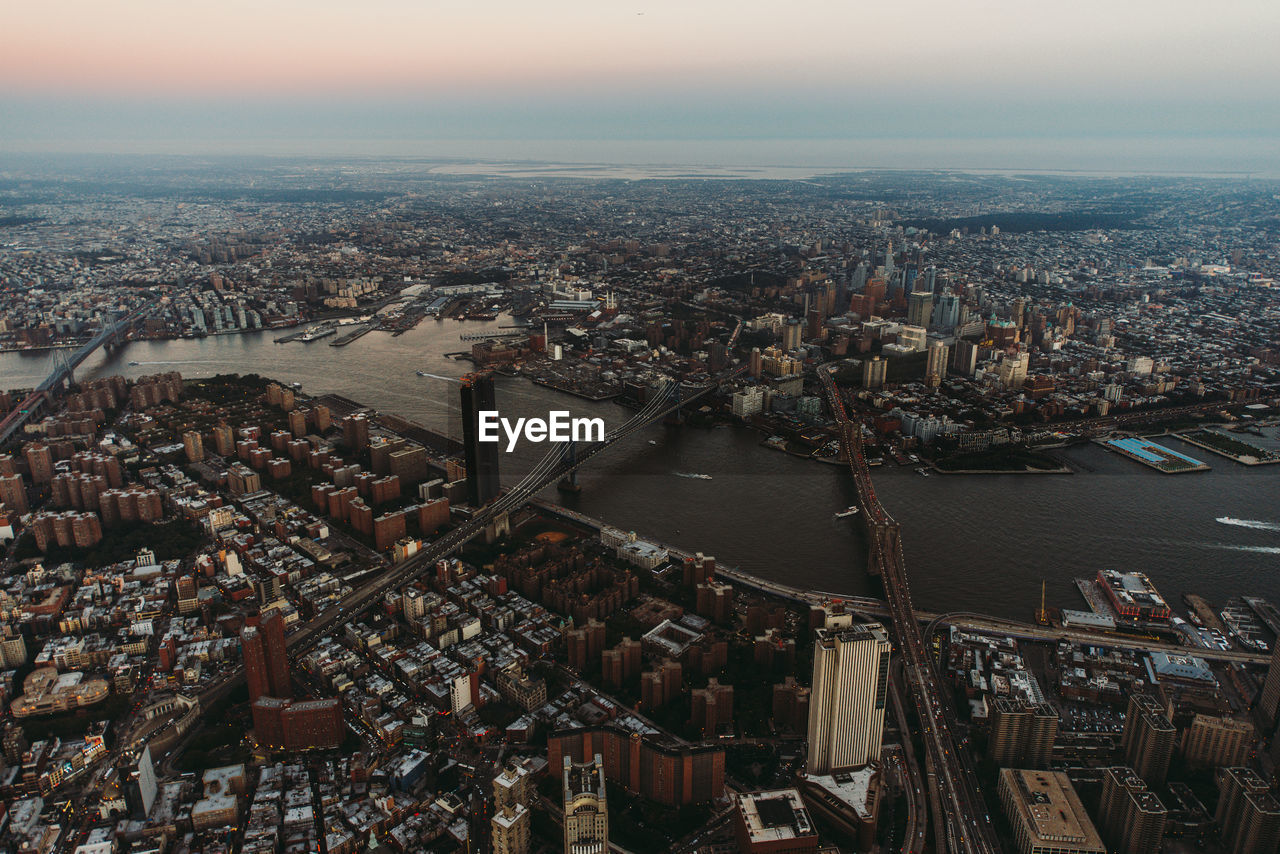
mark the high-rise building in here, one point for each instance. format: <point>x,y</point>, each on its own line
<point>1248,817</point>
<point>1022,734</point>
<point>1013,370</point>
<point>946,313</point>
<point>847,697</point>
<point>513,786</point>
<point>1046,814</point>
<point>355,432</point>
<point>792,332</point>
<point>966,358</point>
<point>586,809</point>
<point>1214,742</point>
<point>13,648</point>
<point>481,457</point>
<point>193,445</point>
<point>1149,738</point>
<point>873,372</point>
<point>1130,817</point>
<point>13,494</point>
<point>919,308</point>
<point>40,462</point>
<point>266,661</point>
<point>138,782</point>
<point>509,830</point>
<point>936,365</point>
<point>859,282</point>
<point>224,440</point>
<point>1269,699</point>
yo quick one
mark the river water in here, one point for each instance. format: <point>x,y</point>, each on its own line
<point>978,542</point>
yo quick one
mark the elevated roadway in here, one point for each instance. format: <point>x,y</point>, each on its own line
<point>960,813</point>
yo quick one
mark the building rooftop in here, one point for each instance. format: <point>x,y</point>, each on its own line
<point>1047,805</point>
<point>851,788</point>
<point>774,816</point>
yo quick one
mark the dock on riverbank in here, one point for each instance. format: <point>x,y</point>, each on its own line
<point>1158,457</point>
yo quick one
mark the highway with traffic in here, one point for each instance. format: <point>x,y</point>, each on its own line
<point>956,793</point>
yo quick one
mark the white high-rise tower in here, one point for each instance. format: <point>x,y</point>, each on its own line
<point>847,699</point>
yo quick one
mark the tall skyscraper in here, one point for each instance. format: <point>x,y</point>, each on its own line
<point>138,782</point>
<point>873,372</point>
<point>1130,817</point>
<point>791,334</point>
<point>266,658</point>
<point>1149,739</point>
<point>1269,699</point>
<point>481,457</point>
<point>859,283</point>
<point>1248,816</point>
<point>936,365</point>
<point>847,698</point>
<point>919,309</point>
<point>946,313</point>
<point>966,358</point>
<point>586,808</point>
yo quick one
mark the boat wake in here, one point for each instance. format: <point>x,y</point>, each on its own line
<point>1256,524</point>
<point>1266,550</point>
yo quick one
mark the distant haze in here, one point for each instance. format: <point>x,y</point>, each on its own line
<point>1165,86</point>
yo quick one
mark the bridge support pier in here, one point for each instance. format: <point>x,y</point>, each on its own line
<point>569,483</point>
<point>498,528</point>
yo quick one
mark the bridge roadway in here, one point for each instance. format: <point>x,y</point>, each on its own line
<point>955,785</point>
<point>63,371</point>
<point>546,472</point>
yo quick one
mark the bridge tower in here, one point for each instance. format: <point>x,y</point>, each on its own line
<point>569,454</point>
<point>62,368</point>
<point>673,395</point>
<point>875,539</point>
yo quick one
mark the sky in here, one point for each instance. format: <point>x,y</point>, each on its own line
<point>569,78</point>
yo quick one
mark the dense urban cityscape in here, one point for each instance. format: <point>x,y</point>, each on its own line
<point>248,610</point>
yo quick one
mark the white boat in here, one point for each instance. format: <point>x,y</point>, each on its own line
<point>693,475</point>
<point>844,514</point>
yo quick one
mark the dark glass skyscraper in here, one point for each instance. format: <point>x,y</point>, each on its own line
<point>481,457</point>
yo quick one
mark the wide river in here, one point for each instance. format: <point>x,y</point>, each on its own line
<point>977,542</point>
